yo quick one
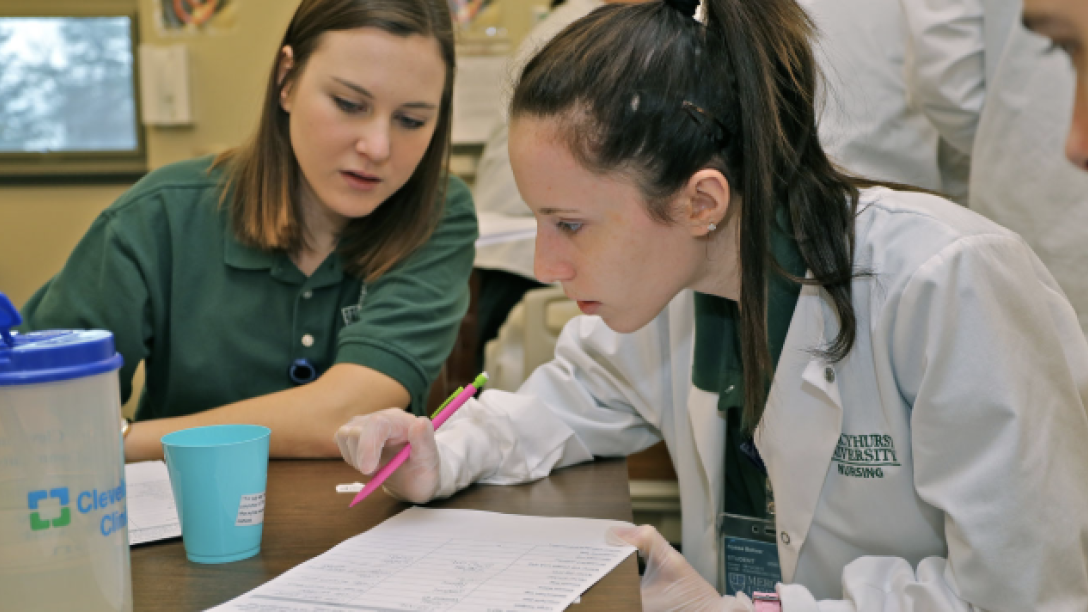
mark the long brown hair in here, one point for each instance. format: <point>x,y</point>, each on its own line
<point>263,175</point>
<point>649,91</point>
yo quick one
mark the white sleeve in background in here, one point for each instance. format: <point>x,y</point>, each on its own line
<point>867,121</point>
<point>497,197</point>
<point>603,395</point>
<point>989,354</point>
<point>495,191</point>
<point>947,69</point>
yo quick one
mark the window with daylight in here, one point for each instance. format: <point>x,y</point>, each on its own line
<point>68,105</point>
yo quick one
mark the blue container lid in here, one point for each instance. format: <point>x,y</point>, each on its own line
<point>49,356</point>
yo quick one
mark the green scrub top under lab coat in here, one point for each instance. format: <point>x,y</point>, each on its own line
<point>718,368</point>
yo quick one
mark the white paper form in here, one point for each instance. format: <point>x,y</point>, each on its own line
<point>451,560</point>
<point>152,514</point>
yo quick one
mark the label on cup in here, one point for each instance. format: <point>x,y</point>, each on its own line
<point>251,510</point>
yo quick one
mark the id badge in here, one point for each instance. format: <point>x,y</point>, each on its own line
<point>748,555</point>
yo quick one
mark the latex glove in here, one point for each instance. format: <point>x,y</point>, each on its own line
<point>369,442</point>
<point>670,583</point>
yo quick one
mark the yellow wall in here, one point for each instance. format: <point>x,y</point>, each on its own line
<point>228,67</point>
<point>40,225</point>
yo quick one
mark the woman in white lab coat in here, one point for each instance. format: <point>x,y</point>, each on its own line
<point>1003,96</point>
<point>924,435</point>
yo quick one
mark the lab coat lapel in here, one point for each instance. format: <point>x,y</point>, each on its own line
<point>800,427</point>
<point>707,429</point>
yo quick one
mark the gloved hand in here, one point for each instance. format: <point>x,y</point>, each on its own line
<point>369,442</point>
<point>670,583</point>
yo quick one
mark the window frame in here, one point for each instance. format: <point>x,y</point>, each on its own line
<point>66,167</point>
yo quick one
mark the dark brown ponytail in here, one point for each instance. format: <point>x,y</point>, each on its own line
<point>621,83</point>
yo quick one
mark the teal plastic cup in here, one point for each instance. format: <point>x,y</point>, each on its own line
<point>218,474</point>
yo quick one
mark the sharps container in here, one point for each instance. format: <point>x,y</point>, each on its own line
<point>63,519</point>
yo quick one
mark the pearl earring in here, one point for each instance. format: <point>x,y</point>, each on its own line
<point>710,227</point>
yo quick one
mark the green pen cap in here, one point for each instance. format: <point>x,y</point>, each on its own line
<point>446,403</point>
<point>480,381</point>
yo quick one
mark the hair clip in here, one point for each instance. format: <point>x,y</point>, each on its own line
<point>710,124</point>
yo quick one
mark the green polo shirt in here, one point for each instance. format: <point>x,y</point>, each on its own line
<point>217,322</point>
<point>718,367</point>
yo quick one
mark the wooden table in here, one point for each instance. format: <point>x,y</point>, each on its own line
<point>305,517</point>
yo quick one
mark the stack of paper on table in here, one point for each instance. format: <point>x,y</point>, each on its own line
<point>152,514</point>
<point>425,559</point>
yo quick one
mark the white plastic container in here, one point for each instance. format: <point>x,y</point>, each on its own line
<point>63,517</point>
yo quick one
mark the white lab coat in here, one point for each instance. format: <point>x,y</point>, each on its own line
<point>941,465</point>
<point>868,123</point>
<point>996,94</point>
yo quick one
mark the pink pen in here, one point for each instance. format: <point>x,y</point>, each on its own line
<point>443,415</point>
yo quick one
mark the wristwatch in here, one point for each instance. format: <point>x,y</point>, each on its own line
<point>126,424</point>
<point>766,602</point>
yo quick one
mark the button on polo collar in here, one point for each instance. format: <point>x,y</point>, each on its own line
<point>330,272</point>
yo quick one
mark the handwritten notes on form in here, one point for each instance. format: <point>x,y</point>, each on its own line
<point>152,514</point>
<point>455,560</point>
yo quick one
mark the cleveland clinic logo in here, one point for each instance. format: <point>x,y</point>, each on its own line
<point>86,502</point>
<point>37,523</point>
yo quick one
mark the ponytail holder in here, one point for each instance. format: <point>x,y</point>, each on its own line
<point>687,7</point>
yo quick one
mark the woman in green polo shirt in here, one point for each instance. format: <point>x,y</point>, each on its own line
<point>333,247</point>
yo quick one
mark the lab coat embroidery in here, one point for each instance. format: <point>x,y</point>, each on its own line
<point>865,455</point>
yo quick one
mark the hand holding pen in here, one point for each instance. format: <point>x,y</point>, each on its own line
<point>371,442</point>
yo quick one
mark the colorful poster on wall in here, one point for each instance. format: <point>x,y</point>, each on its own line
<point>195,16</point>
<point>464,11</point>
